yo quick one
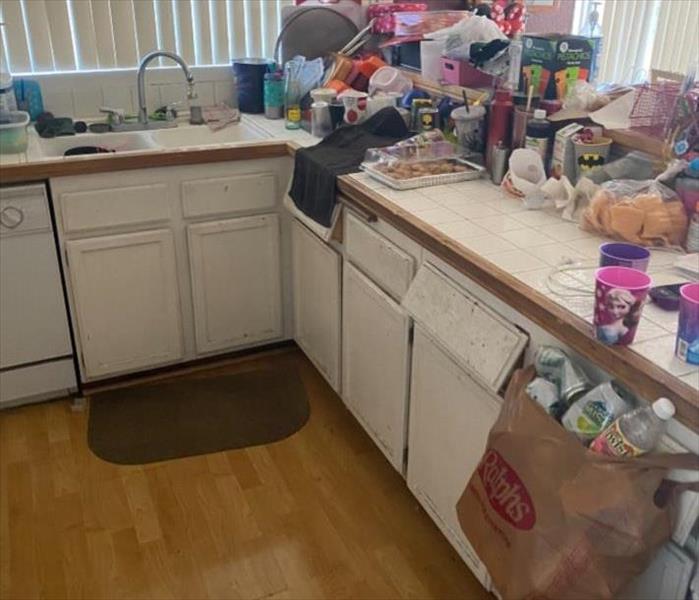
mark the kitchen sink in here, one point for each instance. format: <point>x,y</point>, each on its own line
<point>200,135</point>
<point>182,136</point>
<point>114,142</point>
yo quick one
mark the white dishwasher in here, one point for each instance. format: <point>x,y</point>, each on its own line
<point>36,355</point>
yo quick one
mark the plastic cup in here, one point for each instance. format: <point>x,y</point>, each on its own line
<point>589,156</point>
<point>470,129</point>
<point>687,345</point>
<point>620,294</point>
<point>619,254</point>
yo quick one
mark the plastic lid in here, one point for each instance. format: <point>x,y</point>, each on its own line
<point>664,408</point>
<point>693,168</point>
<point>539,113</point>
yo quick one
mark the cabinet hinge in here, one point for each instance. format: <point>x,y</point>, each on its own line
<point>405,458</point>
<point>411,335</point>
<point>67,259</point>
<point>82,359</point>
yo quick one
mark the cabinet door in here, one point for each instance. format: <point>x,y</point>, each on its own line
<point>450,417</point>
<point>375,362</point>
<point>236,282</point>
<point>316,280</point>
<point>126,300</point>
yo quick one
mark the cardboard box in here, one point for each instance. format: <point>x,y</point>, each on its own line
<point>563,160</point>
<point>552,62</point>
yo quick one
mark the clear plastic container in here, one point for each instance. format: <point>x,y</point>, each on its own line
<point>13,132</point>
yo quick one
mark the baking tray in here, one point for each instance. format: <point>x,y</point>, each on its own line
<point>476,172</point>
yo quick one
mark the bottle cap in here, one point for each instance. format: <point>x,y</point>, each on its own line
<point>664,409</point>
<point>539,113</point>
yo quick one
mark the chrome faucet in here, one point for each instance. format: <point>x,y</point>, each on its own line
<point>142,109</point>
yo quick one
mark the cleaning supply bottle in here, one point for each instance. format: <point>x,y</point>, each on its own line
<point>635,432</point>
<point>539,132</point>
<point>499,123</point>
<point>687,186</point>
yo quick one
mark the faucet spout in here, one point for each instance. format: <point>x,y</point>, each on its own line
<point>141,83</point>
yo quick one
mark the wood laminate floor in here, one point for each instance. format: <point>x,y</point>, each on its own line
<point>319,515</point>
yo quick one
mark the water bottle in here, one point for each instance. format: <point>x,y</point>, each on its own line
<point>635,432</point>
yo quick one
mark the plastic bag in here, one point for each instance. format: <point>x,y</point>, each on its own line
<point>458,38</point>
<point>641,212</point>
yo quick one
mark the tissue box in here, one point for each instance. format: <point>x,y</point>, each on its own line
<point>461,72</point>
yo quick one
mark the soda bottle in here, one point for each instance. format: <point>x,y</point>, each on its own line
<point>635,432</point>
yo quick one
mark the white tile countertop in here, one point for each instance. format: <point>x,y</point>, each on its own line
<point>552,256</point>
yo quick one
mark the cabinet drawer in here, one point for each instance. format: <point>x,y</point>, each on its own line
<point>24,209</point>
<point>229,195</point>
<point>96,209</point>
<point>384,262</point>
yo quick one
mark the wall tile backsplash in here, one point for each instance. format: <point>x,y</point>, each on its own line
<point>80,95</point>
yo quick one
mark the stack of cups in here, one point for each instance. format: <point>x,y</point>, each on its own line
<point>621,288</point>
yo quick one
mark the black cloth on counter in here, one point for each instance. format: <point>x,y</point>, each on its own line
<point>316,168</point>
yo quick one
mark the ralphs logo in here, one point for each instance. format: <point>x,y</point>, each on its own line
<point>506,492</point>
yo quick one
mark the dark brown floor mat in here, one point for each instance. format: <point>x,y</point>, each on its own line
<point>186,417</point>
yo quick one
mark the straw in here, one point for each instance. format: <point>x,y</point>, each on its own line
<point>463,93</point>
<point>530,94</point>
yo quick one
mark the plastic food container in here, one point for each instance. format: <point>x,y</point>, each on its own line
<point>13,132</point>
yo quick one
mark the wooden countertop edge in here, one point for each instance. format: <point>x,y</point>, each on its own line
<point>39,170</point>
<point>641,375</point>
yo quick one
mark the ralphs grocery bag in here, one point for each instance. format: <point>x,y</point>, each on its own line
<point>551,519</point>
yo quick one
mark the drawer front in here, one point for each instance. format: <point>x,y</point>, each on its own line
<point>390,267</point>
<point>229,195</point>
<point>97,209</point>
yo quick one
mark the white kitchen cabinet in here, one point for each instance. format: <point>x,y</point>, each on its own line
<point>236,281</point>
<point>450,417</point>
<point>316,274</point>
<point>126,301</point>
<point>375,362</point>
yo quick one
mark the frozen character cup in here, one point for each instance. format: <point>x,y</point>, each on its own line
<point>620,294</point>
<point>687,346</point>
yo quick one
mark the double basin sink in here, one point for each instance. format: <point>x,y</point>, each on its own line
<point>182,136</point>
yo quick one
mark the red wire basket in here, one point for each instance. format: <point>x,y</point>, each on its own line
<point>657,107</point>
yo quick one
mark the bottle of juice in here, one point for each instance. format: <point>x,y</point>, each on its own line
<point>635,432</point>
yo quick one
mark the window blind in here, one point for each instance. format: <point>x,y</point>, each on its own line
<point>641,35</point>
<point>67,35</point>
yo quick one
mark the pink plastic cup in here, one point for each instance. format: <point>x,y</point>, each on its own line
<point>687,346</point>
<point>620,294</point>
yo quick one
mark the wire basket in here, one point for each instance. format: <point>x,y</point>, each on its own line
<point>653,107</point>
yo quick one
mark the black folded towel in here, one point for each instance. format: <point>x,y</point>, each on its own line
<point>317,168</point>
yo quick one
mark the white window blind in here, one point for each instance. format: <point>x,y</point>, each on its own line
<point>643,35</point>
<point>67,35</point>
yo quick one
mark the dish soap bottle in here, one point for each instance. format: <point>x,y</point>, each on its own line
<point>635,432</point>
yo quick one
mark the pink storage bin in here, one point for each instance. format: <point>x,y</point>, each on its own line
<point>460,72</point>
<point>383,13</point>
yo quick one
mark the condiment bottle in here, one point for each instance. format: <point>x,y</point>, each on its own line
<point>499,123</point>
<point>539,134</point>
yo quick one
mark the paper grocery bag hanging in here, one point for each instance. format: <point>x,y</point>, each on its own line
<point>551,519</point>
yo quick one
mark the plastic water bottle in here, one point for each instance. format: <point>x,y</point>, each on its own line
<point>635,432</point>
